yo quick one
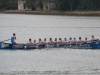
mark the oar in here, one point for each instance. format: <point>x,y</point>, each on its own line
<point>6,40</point>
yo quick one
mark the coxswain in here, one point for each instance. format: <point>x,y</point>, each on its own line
<point>13,38</point>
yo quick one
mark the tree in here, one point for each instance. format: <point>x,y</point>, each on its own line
<point>62,5</point>
<point>40,3</point>
<point>89,5</point>
<point>8,4</point>
<point>30,4</point>
<point>71,4</point>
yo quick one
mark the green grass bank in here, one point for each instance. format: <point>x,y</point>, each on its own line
<point>69,13</point>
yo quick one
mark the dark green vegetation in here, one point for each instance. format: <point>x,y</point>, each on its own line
<point>62,5</point>
<point>78,5</point>
<point>34,3</point>
<point>8,4</point>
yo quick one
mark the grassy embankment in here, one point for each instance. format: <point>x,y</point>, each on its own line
<point>69,13</point>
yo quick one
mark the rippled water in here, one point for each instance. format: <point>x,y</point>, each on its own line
<point>57,61</point>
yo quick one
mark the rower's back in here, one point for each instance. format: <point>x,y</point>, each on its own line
<point>80,40</point>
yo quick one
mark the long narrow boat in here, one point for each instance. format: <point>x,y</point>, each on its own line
<point>92,45</point>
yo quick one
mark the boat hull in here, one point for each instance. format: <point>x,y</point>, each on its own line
<point>94,45</point>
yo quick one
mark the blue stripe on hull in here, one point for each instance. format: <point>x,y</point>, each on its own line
<point>74,46</point>
<point>0,44</point>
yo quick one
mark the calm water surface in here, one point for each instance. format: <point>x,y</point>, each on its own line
<point>49,61</point>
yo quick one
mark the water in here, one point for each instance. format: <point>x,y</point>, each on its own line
<point>49,61</point>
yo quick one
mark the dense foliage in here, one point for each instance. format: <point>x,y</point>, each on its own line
<point>78,4</point>
<point>8,4</point>
<point>63,5</point>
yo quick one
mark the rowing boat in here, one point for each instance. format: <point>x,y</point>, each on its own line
<point>92,45</point>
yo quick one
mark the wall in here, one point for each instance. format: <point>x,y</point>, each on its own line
<point>52,5</point>
<point>20,5</point>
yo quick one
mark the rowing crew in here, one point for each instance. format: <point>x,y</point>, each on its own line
<point>65,41</point>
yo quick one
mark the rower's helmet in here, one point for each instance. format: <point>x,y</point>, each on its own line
<point>59,38</point>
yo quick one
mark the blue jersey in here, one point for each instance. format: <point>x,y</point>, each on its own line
<point>12,39</point>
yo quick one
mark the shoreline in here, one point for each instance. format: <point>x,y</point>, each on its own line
<point>68,13</point>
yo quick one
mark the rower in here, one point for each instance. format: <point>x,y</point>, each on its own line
<point>34,42</point>
<point>56,42</point>
<point>86,41</point>
<point>92,38</point>
<point>45,41</point>
<point>51,41</point>
<point>75,41</point>
<point>30,41</point>
<point>70,40</point>
<point>30,44</point>
<point>60,41</point>
<point>65,40</point>
<point>13,38</point>
<point>40,41</point>
<point>80,40</point>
